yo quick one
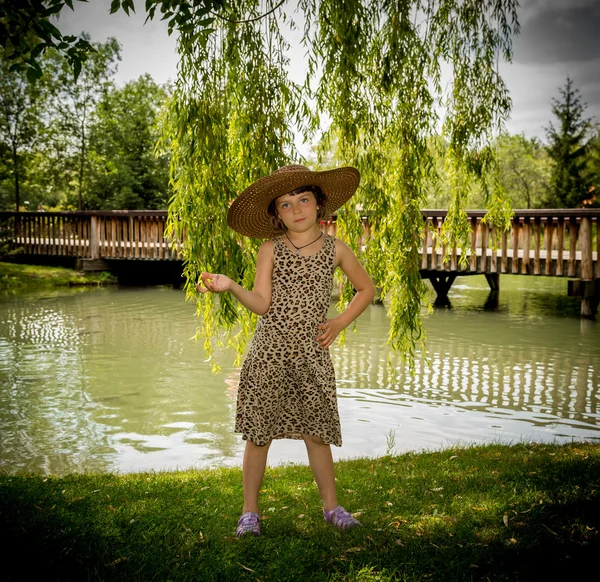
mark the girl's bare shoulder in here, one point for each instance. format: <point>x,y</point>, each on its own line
<point>341,246</point>
<point>342,251</point>
<point>266,249</point>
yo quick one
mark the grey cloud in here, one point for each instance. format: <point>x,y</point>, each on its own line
<point>558,35</point>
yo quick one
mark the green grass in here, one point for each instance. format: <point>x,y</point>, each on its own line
<point>16,278</point>
<point>521,512</point>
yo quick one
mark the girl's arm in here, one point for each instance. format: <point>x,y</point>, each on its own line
<point>259,299</point>
<point>365,292</point>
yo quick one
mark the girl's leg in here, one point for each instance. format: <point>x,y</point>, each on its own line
<point>321,464</point>
<point>253,470</point>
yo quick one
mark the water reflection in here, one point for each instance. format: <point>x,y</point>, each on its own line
<point>50,429</point>
<point>109,380</point>
<point>523,361</point>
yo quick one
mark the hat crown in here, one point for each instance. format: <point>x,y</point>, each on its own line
<point>291,168</point>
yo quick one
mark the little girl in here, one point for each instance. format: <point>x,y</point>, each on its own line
<point>287,384</point>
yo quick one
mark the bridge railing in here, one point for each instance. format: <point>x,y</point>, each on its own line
<point>557,242</point>
<point>118,234</point>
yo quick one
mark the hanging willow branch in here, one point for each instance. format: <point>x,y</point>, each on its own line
<point>254,19</point>
<point>378,69</point>
<point>229,122</point>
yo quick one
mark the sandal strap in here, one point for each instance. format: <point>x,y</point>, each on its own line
<point>249,522</point>
<point>341,518</point>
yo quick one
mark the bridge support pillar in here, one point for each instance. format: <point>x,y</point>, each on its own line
<point>589,291</point>
<point>442,283</point>
<point>493,280</point>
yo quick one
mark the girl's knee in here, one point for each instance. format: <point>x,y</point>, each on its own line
<point>254,446</point>
<point>312,440</point>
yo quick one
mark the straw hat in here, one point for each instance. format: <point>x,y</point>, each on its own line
<point>248,213</point>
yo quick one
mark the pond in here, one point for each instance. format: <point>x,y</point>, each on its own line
<point>108,379</point>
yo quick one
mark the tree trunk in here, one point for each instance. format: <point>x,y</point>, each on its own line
<point>16,172</point>
<point>81,162</point>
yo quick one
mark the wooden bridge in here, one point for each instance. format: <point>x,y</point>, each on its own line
<point>546,242</point>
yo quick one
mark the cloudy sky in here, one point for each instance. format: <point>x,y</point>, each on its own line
<point>559,38</point>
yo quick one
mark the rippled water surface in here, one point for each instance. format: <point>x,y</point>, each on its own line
<point>108,379</point>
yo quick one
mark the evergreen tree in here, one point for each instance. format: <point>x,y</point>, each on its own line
<point>568,149</point>
<point>593,170</point>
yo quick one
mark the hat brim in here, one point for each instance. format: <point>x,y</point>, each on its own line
<point>248,213</point>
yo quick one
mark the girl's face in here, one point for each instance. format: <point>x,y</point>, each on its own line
<point>298,212</point>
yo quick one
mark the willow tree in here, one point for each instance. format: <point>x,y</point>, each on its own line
<point>381,71</point>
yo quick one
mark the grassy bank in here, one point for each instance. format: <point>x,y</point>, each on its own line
<point>522,512</point>
<point>15,277</point>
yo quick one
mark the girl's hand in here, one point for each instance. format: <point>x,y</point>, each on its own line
<point>330,330</point>
<point>214,283</point>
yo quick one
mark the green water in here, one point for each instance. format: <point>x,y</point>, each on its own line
<point>108,379</point>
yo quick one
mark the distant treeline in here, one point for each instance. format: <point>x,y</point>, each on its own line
<point>81,145</point>
<point>89,144</point>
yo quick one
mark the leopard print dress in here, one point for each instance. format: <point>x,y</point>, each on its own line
<point>287,383</point>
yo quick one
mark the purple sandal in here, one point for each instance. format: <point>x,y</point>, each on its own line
<point>341,518</point>
<point>248,523</point>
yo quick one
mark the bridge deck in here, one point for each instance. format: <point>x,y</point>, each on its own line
<point>569,237</point>
<point>552,242</point>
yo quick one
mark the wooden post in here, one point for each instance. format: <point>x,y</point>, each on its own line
<point>572,269</point>
<point>504,261</point>
<point>70,238</point>
<point>526,265</point>
<point>485,235</point>
<point>548,235</point>
<point>560,234</point>
<point>80,238</point>
<point>154,237</point>
<point>135,238</point>
<point>494,255</point>
<point>515,245</point>
<point>40,227</point>
<point>144,237</point>
<point>536,246</point>
<point>94,238</point>
<point>123,237</point>
<point>588,304</point>
<point>28,234</point>
<point>439,259</point>
<point>161,239</point>
<point>425,245</point>
<point>473,261</point>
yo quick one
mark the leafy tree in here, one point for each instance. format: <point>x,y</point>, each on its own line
<point>73,103</point>
<point>20,123</point>
<point>567,149</point>
<point>26,30</point>
<point>52,168</point>
<point>524,170</point>
<point>125,173</point>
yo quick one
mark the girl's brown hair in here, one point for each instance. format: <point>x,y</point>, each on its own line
<point>320,197</point>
